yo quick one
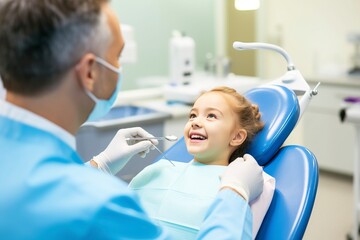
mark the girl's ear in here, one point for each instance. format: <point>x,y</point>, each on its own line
<point>239,137</point>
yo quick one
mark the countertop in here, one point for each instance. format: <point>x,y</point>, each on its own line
<point>152,98</point>
<point>341,80</point>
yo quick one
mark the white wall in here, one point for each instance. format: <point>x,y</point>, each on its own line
<point>313,32</point>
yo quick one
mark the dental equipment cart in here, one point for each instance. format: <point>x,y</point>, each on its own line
<point>351,114</point>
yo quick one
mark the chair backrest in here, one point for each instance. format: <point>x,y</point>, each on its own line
<point>280,111</point>
<point>296,172</point>
<point>294,167</point>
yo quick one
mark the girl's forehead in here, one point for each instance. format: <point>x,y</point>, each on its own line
<point>213,99</point>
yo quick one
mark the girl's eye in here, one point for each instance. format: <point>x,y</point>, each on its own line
<point>211,115</point>
<point>192,115</point>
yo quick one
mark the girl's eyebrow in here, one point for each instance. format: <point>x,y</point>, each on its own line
<point>213,108</point>
<point>193,110</point>
<point>208,109</point>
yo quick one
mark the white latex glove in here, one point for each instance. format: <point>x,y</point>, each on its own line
<point>119,151</point>
<point>244,175</point>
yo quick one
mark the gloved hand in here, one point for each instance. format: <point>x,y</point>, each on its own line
<point>244,175</point>
<point>119,151</point>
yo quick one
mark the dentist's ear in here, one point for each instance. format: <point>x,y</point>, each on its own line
<point>85,71</point>
<point>239,137</point>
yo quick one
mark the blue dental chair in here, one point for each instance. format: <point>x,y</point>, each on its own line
<point>294,167</point>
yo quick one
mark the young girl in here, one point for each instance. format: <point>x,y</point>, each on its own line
<point>221,125</point>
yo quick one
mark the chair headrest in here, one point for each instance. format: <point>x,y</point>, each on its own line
<point>280,111</point>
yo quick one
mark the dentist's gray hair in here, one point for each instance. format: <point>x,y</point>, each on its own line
<point>40,40</point>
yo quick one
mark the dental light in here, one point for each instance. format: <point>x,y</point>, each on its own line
<point>292,79</point>
<point>244,5</point>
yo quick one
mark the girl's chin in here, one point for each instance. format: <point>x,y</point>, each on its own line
<point>196,152</point>
<point>196,149</point>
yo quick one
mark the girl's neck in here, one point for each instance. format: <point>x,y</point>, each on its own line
<point>207,161</point>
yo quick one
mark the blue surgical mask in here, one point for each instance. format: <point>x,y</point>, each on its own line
<point>103,106</point>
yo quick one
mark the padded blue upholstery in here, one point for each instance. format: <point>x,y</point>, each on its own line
<point>294,167</point>
<point>296,172</point>
<point>279,111</point>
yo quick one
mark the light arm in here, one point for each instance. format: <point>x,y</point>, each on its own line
<point>292,79</point>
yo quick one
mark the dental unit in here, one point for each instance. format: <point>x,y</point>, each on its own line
<point>292,79</point>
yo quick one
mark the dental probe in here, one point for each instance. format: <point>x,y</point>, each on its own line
<point>164,155</point>
<point>169,138</point>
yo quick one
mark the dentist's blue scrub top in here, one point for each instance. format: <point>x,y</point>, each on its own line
<point>47,193</point>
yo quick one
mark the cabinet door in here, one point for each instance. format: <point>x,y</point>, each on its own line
<point>331,141</point>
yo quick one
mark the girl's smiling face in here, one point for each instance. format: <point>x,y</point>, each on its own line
<point>213,131</point>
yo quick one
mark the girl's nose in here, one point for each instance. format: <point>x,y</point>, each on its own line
<point>196,123</point>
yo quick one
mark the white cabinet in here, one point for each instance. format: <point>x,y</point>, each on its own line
<point>332,141</point>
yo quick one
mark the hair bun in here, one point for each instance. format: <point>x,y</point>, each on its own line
<point>256,112</point>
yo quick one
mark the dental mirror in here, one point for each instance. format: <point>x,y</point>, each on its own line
<point>171,138</point>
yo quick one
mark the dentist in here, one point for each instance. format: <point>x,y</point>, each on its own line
<point>59,66</point>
